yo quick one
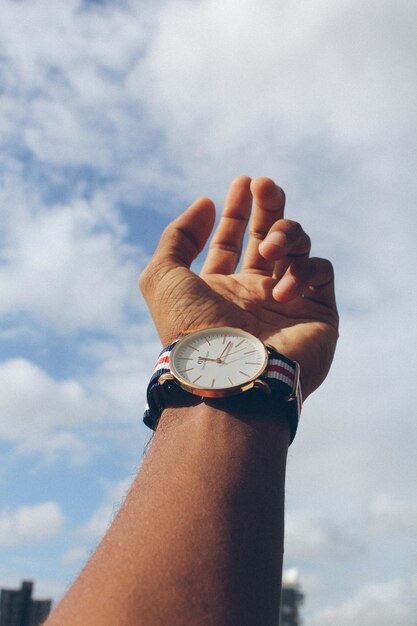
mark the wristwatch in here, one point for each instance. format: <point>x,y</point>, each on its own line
<point>221,362</point>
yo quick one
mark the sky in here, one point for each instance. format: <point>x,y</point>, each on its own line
<point>114,117</point>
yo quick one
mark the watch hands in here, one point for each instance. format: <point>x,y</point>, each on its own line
<point>232,361</point>
<point>230,353</point>
<point>224,355</point>
<point>219,359</point>
<point>223,352</point>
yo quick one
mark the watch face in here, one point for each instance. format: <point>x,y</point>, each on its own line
<point>224,359</point>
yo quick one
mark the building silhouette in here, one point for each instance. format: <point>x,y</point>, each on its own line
<point>17,608</point>
<point>291,600</point>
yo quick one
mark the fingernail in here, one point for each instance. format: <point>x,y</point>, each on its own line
<point>276,239</point>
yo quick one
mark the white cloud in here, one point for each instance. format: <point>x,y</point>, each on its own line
<point>64,98</point>
<point>307,537</point>
<point>45,417</point>
<point>79,417</point>
<point>67,269</point>
<point>346,452</point>
<point>74,556</point>
<point>32,403</point>
<point>98,523</point>
<point>122,369</point>
<point>100,520</point>
<point>392,515</point>
<point>30,524</point>
<point>382,604</point>
<point>61,446</point>
<point>186,85</point>
<point>229,80</point>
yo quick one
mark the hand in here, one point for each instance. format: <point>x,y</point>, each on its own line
<point>280,295</point>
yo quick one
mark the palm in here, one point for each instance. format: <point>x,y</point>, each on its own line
<point>303,329</point>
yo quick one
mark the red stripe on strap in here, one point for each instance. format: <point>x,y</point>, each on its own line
<point>281,370</point>
<point>162,359</point>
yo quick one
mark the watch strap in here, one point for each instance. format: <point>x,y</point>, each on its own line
<point>282,375</point>
<point>283,378</point>
<point>154,394</point>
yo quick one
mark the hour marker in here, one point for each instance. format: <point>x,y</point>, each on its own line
<point>230,380</point>
<point>192,348</point>
<point>186,358</point>
<point>239,344</point>
<point>250,363</point>
<point>250,352</point>
<point>244,373</point>
<point>212,382</point>
<point>188,370</point>
<point>194,381</point>
<point>207,341</point>
<point>224,339</point>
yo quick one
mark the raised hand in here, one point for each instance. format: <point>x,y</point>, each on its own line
<point>281,295</point>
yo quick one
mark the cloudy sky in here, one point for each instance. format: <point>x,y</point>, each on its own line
<point>114,116</point>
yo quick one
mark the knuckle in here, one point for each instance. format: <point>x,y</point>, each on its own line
<point>307,240</point>
<point>226,246</point>
<point>259,233</point>
<point>329,265</point>
<point>294,230</point>
<point>327,268</point>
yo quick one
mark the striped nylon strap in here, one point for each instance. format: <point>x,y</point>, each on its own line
<point>282,376</point>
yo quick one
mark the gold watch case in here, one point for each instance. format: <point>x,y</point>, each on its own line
<point>205,340</point>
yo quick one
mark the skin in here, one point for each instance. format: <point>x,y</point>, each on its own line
<point>199,538</point>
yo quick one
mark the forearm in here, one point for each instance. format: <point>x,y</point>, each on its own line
<point>199,539</point>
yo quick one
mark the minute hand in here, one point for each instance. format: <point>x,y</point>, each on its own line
<point>225,350</point>
<point>232,361</point>
<point>230,353</point>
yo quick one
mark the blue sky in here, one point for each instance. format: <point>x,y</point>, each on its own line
<point>114,116</point>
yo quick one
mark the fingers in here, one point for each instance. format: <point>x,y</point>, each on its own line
<point>181,241</point>
<point>269,202</point>
<point>311,278</point>
<point>226,245</point>
<point>285,241</point>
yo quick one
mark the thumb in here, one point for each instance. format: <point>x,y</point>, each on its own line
<point>181,242</point>
<point>183,239</point>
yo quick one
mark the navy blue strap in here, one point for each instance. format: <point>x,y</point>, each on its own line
<point>281,375</point>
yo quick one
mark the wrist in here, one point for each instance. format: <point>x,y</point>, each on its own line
<point>225,363</point>
<point>226,418</point>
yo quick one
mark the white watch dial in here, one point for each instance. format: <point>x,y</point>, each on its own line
<point>218,358</point>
